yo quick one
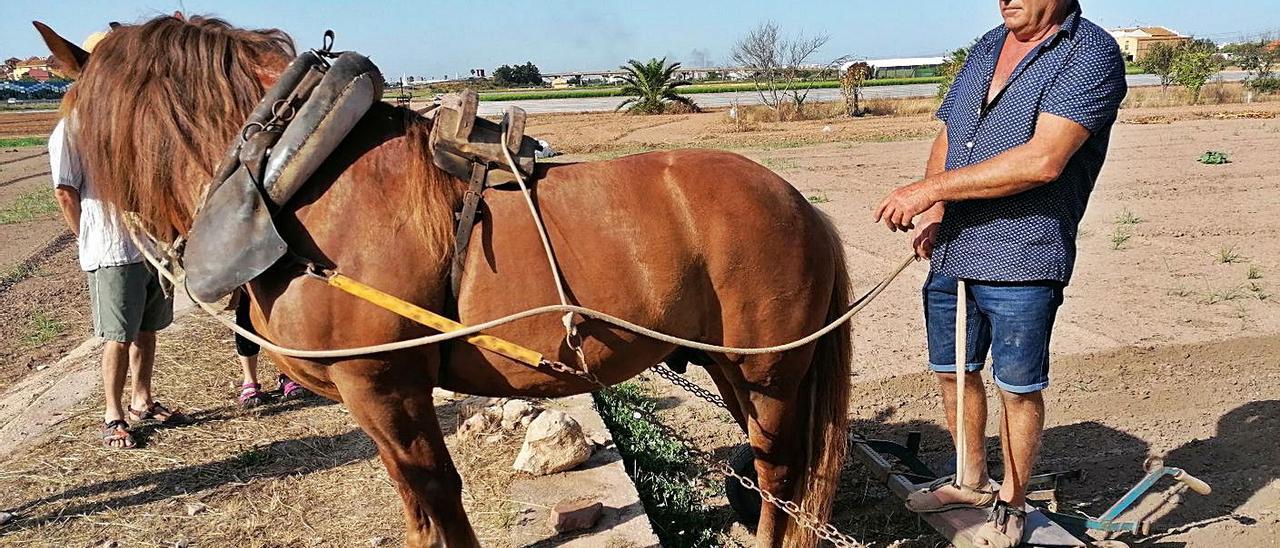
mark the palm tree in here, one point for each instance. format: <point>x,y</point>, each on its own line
<point>653,86</point>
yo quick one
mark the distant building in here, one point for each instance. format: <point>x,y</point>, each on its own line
<point>35,68</point>
<point>1135,41</point>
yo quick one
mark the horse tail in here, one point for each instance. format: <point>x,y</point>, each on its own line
<point>826,389</point>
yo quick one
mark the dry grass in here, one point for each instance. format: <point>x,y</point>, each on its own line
<point>1215,93</point>
<point>900,107</point>
<point>290,474</point>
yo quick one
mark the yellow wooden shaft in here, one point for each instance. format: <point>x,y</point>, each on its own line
<point>433,320</point>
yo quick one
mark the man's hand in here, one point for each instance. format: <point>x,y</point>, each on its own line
<point>923,237</point>
<point>899,210</point>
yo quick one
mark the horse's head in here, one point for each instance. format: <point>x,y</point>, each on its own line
<point>155,105</point>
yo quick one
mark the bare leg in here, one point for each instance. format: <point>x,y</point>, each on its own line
<point>975,472</point>
<point>974,490</point>
<point>115,363</point>
<point>1023,421</point>
<point>142,360</point>
<point>249,368</point>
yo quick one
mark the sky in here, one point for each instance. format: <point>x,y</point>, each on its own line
<point>447,37</point>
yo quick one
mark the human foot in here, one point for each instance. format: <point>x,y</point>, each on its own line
<point>115,435</point>
<point>1003,528</point>
<point>944,495</point>
<point>290,390</point>
<point>158,412</point>
<point>251,395</point>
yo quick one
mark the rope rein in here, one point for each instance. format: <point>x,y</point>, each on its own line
<point>854,309</point>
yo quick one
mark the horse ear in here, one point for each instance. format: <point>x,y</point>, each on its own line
<point>71,56</point>
<point>179,16</point>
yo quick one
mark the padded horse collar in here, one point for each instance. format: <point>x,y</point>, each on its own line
<point>302,118</point>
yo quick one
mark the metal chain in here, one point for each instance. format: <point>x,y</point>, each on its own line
<point>689,386</point>
<point>804,518</point>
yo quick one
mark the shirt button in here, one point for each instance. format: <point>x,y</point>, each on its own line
<point>968,144</point>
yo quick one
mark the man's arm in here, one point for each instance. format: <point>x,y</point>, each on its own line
<point>69,202</point>
<point>1017,170</point>
<point>931,219</point>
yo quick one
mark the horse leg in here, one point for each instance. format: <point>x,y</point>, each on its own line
<point>392,403</point>
<point>777,421</point>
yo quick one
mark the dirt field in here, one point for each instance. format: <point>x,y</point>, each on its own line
<point>1167,345</point>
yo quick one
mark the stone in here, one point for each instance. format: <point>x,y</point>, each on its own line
<point>514,411</point>
<point>554,443</point>
<point>479,423</point>
<point>575,515</point>
<point>378,541</point>
<point>6,517</point>
<point>193,509</point>
<point>109,544</point>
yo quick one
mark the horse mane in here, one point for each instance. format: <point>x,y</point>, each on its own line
<point>158,103</point>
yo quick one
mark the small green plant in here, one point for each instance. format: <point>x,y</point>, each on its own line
<point>1119,238</point>
<point>1127,217</point>
<point>16,274</point>
<point>16,142</point>
<point>28,207</point>
<point>671,485</point>
<point>1214,157</point>
<point>1254,273</point>
<point>1228,255</point>
<point>819,199</point>
<point>1224,295</point>
<point>41,329</point>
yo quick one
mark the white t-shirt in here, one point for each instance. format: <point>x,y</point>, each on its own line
<point>104,240</point>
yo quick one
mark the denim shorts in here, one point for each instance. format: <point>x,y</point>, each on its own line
<point>1012,321</point>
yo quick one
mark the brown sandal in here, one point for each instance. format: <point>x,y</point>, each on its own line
<point>158,412</point>
<point>115,435</point>
<point>926,501</point>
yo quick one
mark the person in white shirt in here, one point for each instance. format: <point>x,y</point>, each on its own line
<point>128,303</point>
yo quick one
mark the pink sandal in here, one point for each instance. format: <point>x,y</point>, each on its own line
<point>290,390</point>
<point>251,395</point>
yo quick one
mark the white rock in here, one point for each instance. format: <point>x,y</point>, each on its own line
<point>378,541</point>
<point>5,517</point>
<point>554,443</point>
<point>515,410</point>
<point>193,509</point>
<point>476,425</point>
<point>524,421</point>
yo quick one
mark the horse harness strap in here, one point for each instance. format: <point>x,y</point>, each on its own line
<point>466,219</point>
<point>474,149</point>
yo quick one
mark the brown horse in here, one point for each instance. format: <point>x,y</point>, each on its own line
<point>702,244</point>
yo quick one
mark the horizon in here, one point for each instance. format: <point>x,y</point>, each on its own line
<point>563,36</point>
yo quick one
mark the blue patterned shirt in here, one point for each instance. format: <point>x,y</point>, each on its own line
<point>1077,74</point>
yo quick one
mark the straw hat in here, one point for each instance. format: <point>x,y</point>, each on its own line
<point>92,41</point>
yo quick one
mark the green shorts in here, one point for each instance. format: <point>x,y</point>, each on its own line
<point>127,299</point>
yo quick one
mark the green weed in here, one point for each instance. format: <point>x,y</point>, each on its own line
<point>34,204</point>
<point>16,142</point>
<point>41,328</point>
<point>1214,157</point>
<point>672,486</point>
<point>1224,295</point>
<point>1127,218</point>
<point>819,199</point>
<point>1254,273</point>
<point>1119,238</point>
<point>1228,255</point>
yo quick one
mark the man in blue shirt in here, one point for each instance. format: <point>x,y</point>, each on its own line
<point>1028,121</point>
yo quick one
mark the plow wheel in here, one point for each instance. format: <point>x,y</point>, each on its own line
<point>745,502</point>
